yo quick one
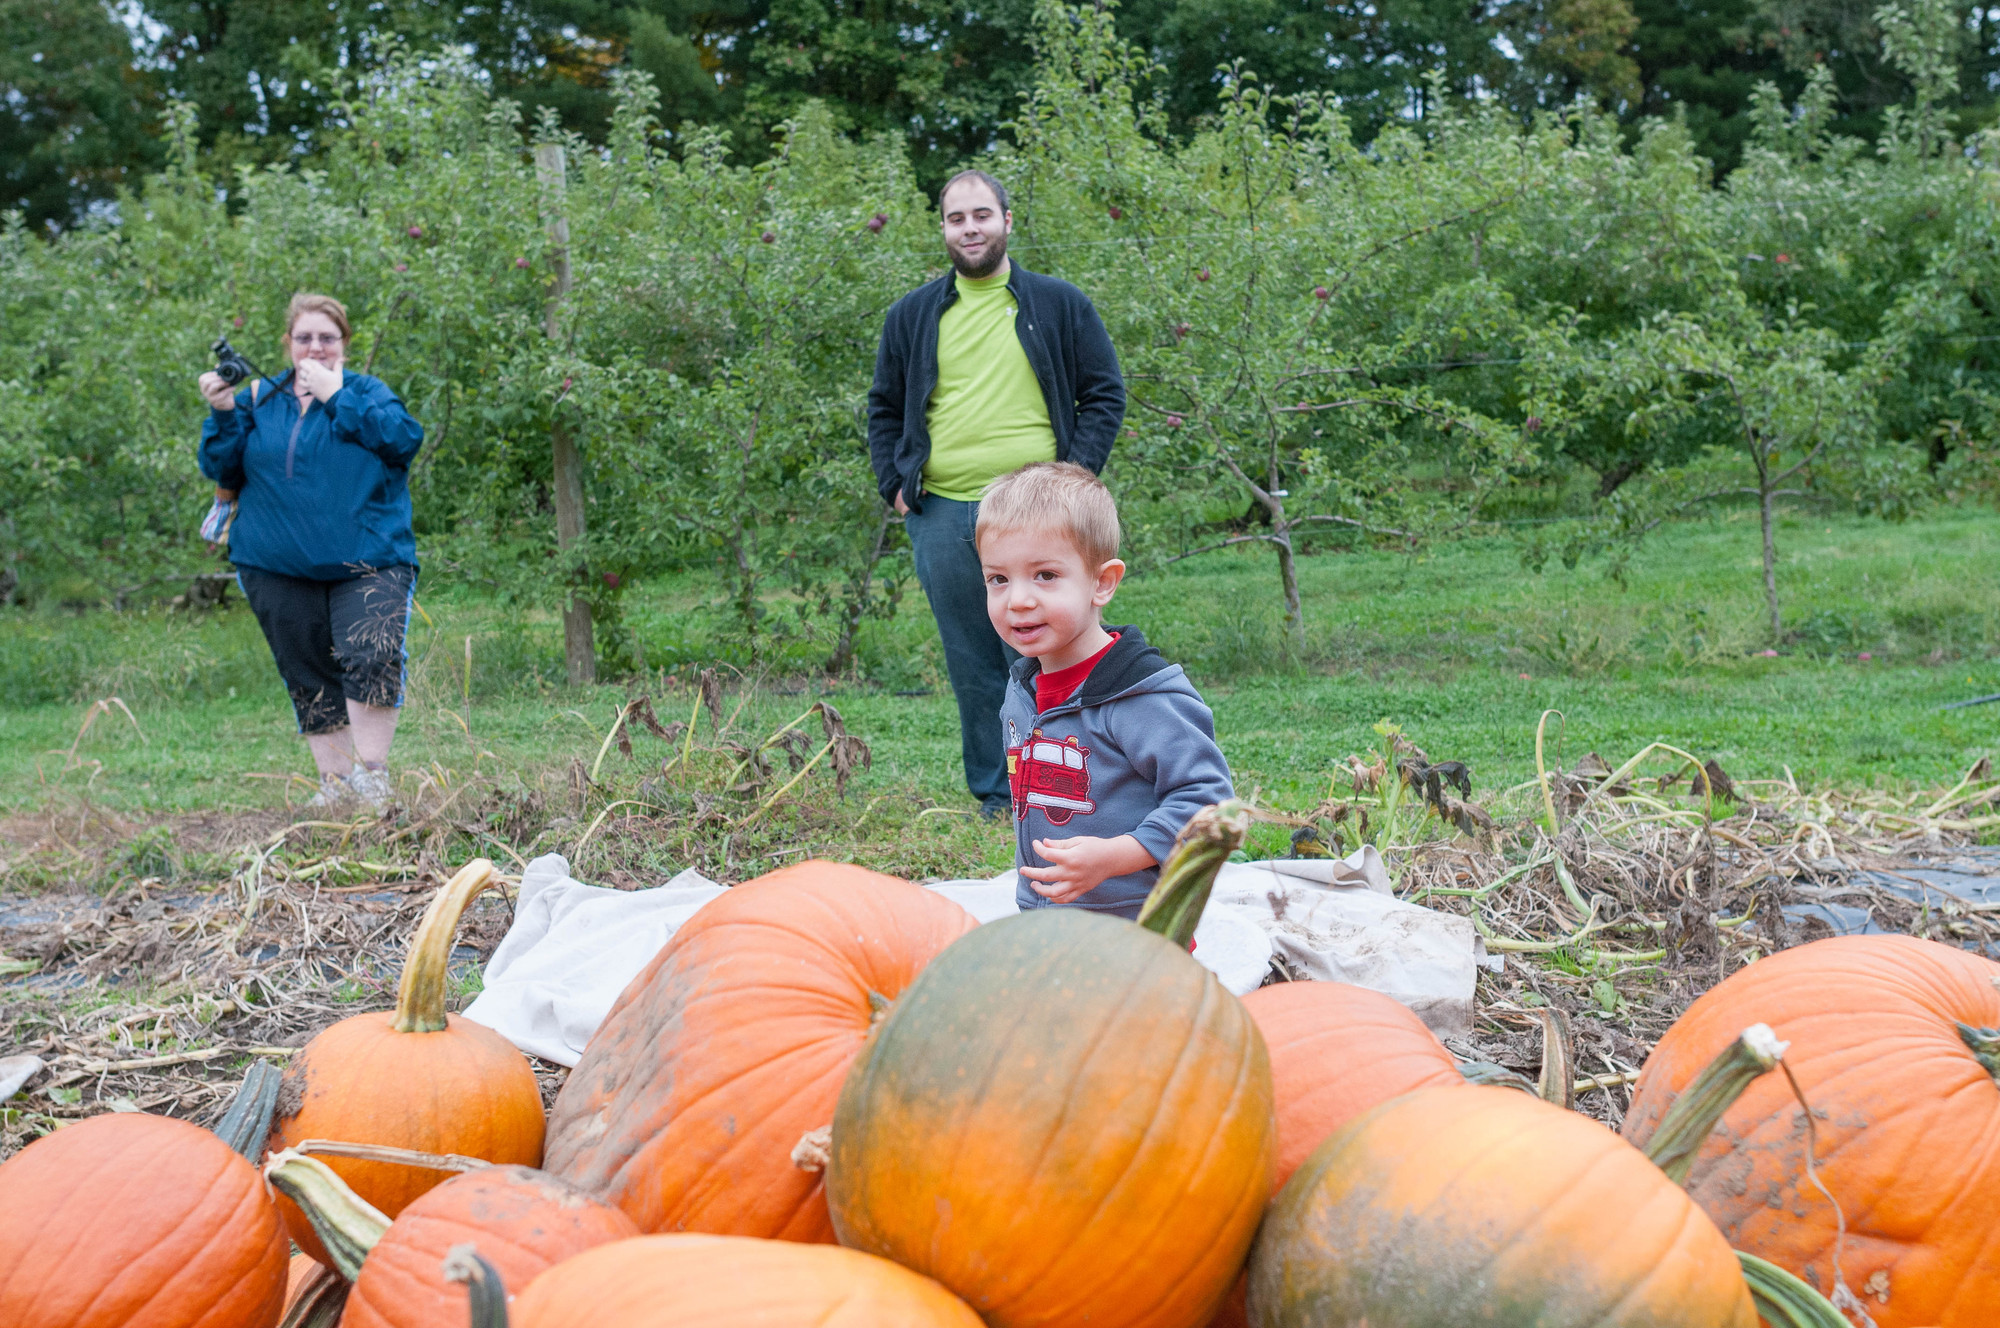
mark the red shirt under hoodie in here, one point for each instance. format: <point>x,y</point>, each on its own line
<point>1052,689</point>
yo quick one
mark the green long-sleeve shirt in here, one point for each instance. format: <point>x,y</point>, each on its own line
<point>987,415</point>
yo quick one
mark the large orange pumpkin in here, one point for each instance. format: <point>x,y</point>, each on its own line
<point>137,1221</point>
<point>1887,1046</point>
<point>695,1281</point>
<point>1464,1205</point>
<point>1337,1050</point>
<point>730,1047</point>
<point>412,1078</point>
<point>1065,1120</point>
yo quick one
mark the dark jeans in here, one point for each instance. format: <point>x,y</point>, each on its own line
<point>334,641</point>
<point>974,655</point>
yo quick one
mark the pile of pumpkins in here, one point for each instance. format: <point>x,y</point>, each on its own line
<point>833,1099</point>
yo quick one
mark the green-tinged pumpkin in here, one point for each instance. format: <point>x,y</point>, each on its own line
<point>1895,1043</point>
<point>1470,1205</point>
<point>1065,1120</point>
<point>413,1077</point>
<point>694,1281</point>
<point>728,1050</point>
<point>136,1221</point>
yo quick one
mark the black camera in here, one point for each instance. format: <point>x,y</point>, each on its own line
<point>230,365</point>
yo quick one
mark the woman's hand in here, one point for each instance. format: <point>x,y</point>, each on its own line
<point>218,393</point>
<point>321,380</point>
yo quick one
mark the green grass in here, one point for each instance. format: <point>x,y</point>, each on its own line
<point>1458,644</point>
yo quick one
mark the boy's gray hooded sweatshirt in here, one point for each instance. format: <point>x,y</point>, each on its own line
<point>1131,753</point>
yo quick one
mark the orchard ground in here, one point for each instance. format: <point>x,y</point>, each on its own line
<point>166,916</point>
<point>1456,643</point>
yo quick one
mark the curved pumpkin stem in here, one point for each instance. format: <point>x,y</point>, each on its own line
<point>420,997</point>
<point>402,1157</point>
<point>1558,1080</point>
<point>319,1302</point>
<point>247,1123</point>
<point>1692,1117</point>
<point>347,1224</point>
<point>1784,1301</point>
<point>1174,907</point>
<point>463,1263</point>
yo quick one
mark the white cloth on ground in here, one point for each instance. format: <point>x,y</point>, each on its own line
<point>573,947</point>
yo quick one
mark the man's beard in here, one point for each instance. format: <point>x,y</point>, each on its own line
<point>996,254</point>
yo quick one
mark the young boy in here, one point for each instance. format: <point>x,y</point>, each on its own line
<point>1109,747</point>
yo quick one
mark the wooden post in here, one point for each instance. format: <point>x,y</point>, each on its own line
<point>579,647</point>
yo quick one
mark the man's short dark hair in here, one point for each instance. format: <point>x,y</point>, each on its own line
<point>999,190</point>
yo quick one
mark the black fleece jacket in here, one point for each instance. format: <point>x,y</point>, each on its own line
<point>1066,345</point>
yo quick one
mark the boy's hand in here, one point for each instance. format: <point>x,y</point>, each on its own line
<point>1078,866</point>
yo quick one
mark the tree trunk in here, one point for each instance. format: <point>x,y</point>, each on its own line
<point>579,638</point>
<point>1770,562</point>
<point>1288,573</point>
<point>857,603</point>
<point>579,645</point>
<point>1609,481</point>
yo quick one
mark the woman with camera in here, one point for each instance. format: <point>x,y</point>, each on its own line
<point>322,540</point>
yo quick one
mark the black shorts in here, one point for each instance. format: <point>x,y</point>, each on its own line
<point>334,641</point>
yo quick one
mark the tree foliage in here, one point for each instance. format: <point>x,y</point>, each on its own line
<point>1476,323</point>
<point>83,85</point>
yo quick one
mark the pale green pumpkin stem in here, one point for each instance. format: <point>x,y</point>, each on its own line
<point>464,1264</point>
<point>347,1224</point>
<point>402,1157</point>
<point>319,1302</point>
<point>1692,1117</point>
<point>1490,1075</point>
<point>1985,1045</point>
<point>1783,1301</point>
<point>1174,907</point>
<point>420,998</point>
<point>247,1123</point>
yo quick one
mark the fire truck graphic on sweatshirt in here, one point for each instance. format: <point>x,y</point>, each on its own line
<point>1131,752</point>
<point>1052,774</point>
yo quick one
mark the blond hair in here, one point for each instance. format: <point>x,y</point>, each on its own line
<point>305,302</point>
<point>1060,498</point>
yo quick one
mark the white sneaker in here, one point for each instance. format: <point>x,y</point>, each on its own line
<point>333,791</point>
<point>371,786</point>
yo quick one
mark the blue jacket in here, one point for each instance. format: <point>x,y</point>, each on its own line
<point>1066,345</point>
<point>1132,753</point>
<point>323,495</point>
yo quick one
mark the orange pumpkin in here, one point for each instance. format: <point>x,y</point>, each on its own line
<point>314,1294</point>
<point>1065,1120</point>
<point>302,1270</point>
<point>413,1078</point>
<point>1892,1044</point>
<point>1337,1050</point>
<point>522,1220</point>
<point>1462,1205</point>
<point>137,1221</point>
<point>695,1281</point>
<point>730,1047</point>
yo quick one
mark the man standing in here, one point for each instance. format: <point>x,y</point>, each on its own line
<point>979,373</point>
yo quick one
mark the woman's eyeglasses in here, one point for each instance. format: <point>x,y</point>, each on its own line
<point>307,340</point>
